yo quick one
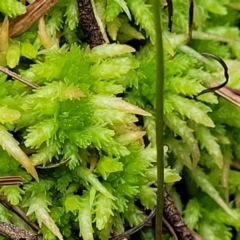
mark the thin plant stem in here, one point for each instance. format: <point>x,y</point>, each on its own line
<point>136,228</point>
<point>170,229</point>
<point>18,77</point>
<point>159,119</point>
<point>18,211</point>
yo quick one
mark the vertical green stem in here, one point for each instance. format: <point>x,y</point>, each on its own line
<point>159,118</point>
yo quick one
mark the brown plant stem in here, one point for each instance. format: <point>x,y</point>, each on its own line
<point>232,95</point>
<point>34,12</point>
<point>136,228</point>
<point>89,23</point>
<point>175,219</point>
<point>17,211</point>
<point>18,77</point>
<point>15,233</point>
<point>10,180</point>
<point>170,229</point>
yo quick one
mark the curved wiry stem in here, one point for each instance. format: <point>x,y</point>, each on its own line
<point>224,65</point>
<point>136,228</point>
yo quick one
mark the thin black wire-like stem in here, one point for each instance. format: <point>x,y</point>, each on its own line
<point>136,228</point>
<point>170,14</point>
<point>225,68</point>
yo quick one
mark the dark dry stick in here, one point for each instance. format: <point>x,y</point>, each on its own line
<point>230,94</point>
<point>175,219</point>
<point>10,180</point>
<point>15,233</point>
<point>190,21</point>
<point>136,228</point>
<point>18,211</point>
<point>143,224</point>
<point>34,12</point>
<point>18,77</point>
<point>170,14</point>
<point>115,234</point>
<point>170,229</point>
<point>89,23</point>
<point>233,90</point>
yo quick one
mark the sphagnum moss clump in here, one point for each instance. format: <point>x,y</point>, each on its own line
<point>87,109</point>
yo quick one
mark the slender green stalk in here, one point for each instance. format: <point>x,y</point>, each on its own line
<point>159,118</point>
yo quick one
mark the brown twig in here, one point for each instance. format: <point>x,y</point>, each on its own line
<point>17,211</point>
<point>235,91</point>
<point>136,228</point>
<point>34,12</point>
<point>175,219</point>
<point>149,223</point>
<point>15,233</point>
<point>230,95</point>
<point>18,77</point>
<point>145,222</point>
<point>170,229</point>
<point>10,180</point>
<point>89,23</point>
<point>115,234</point>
